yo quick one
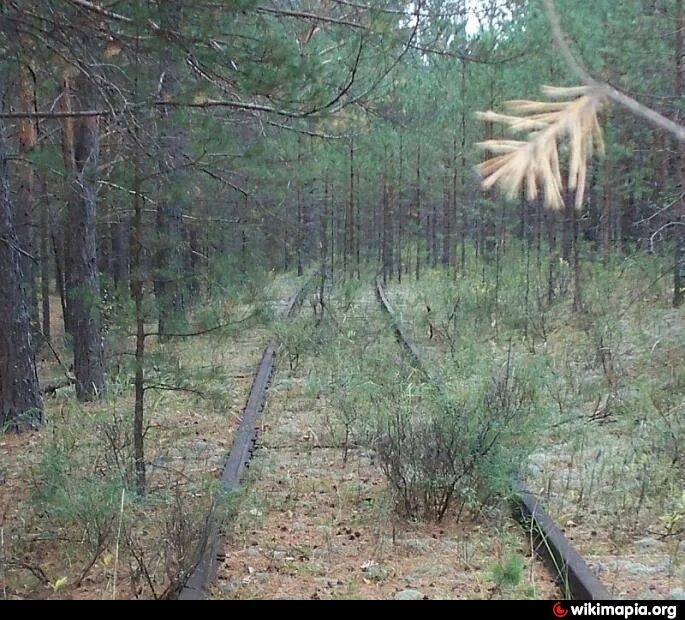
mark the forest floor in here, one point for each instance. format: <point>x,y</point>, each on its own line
<point>608,464</point>
<point>67,532</point>
<point>317,521</point>
<point>317,517</point>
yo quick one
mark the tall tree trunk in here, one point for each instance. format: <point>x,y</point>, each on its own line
<point>45,261</point>
<point>82,288</point>
<point>679,242</point>
<point>350,227</point>
<point>169,221</point>
<point>300,213</point>
<point>605,218</point>
<point>400,213</point>
<point>465,220</point>
<point>286,237</point>
<point>453,205</point>
<point>447,221</point>
<point>60,281</point>
<point>434,235</point>
<point>119,230</point>
<point>358,225</point>
<point>417,217</point>
<point>388,208</point>
<point>195,259</point>
<point>137,292</point>
<point>21,406</point>
<point>577,289</point>
<point>26,197</point>
<point>567,229</point>
<point>323,247</point>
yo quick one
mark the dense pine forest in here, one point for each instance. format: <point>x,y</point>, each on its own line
<point>457,227</point>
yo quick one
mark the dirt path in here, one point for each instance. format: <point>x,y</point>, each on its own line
<point>315,526</point>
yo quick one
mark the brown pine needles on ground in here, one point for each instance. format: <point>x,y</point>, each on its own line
<point>535,160</point>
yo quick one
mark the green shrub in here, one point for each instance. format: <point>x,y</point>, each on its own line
<point>448,446</point>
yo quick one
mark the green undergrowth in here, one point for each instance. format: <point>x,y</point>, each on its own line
<point>72,524</point>
<point>444,448</point>
<point>608,377</point>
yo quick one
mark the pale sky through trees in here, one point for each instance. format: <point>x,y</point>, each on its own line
<point>477,14</point>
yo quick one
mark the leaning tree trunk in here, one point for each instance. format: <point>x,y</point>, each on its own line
<point>82,288</point>
<point>169,255</point>
<point>21,406</point>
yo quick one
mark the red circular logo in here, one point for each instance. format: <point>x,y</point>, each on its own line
<point>559,611</point>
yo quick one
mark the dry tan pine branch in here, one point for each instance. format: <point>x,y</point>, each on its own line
<point>535,161</point>
<point>605,89</point>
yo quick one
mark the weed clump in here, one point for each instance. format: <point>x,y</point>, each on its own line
<point>440,449</point>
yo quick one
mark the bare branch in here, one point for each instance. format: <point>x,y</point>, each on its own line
<point>102,11</point>
<point>39,115</point>
<point>201,332</point>
<point>310,17</point>
<point>605,89</point>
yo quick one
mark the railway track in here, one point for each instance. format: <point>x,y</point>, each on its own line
<point>197,585</point>
<point>550,544</point>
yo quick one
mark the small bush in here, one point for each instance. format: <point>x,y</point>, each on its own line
<point>508,573</point>
<point>438,449</point>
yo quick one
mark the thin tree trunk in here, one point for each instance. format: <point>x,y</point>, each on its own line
<point>138,275</point>
<point>323,247</point>
<point>120,232</point>
<point>465,222</point>
<point>139,378</point>
<point>45,256</point>
<point>453,205</point>
<point>388,205</point>
<point>447,222</point>
<point>350,219</point>
<point>300,216</point>
<point>60,279</point>
<point>434,235</point>
<point>417,218</point>
<point>286,239</point>
<point>679,241</point>
<point>400,214</point>
<point>169,258</point>
<point>357,224</point>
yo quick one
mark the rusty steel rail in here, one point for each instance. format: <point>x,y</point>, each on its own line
<point>197,585</point>
<point>405,342</point>
<point>296,302</point>
<point>550,544</point>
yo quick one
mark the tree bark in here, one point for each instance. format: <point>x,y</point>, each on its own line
<point>417,215</point>
<point>300,213</point>
<point>45,261</point>
<point>21,406</point>
<point>387,217</point>
<point>82,286</point>
<point>169,222</point>
<point>119,230</point>
<point>25,203</point>
<point>679,241</point>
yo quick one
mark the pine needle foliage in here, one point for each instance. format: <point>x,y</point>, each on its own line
<point>535,160</point>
